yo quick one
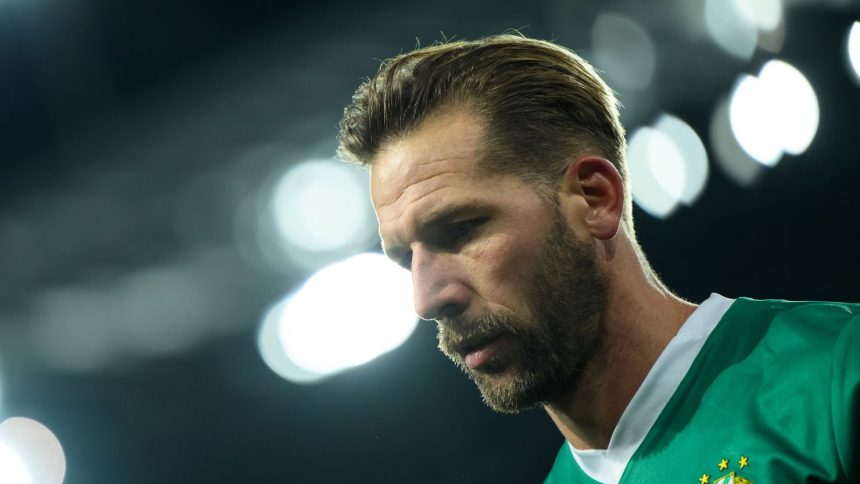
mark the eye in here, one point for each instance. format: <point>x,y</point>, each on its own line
<point>458,233</point>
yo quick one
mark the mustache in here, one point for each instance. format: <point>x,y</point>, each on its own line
<point>456,332</point>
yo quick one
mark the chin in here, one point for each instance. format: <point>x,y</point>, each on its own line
<point>512,392</point>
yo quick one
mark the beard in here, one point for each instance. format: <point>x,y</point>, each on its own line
<point>551,343</point>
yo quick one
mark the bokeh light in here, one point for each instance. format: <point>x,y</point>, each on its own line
<point>738,26</point>
<point>853,50</point>
<point>171,326</point>
<point>624,51</point>
<point>730,157</point>
<point>320,207</point>
<point>346,314</point>
<point>729,28</point>
<point>774,113</point>
<point>656,170</point>
<point>668,166</point>
<point>74,327</point>
<point>762,14</point>
<point>272,349</point>
<point>151,312</point>
<point>134,288</point>
<point>12,467</point>
<point>693,152</point>
<point>31,446</point>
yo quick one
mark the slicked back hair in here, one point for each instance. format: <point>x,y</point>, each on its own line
<point>540,104</point>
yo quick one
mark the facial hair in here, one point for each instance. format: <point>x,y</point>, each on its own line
<point>554,338</point>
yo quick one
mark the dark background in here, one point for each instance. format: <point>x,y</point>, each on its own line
<point>131,133</point>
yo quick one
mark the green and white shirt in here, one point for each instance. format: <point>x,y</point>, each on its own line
<point>747,391</point>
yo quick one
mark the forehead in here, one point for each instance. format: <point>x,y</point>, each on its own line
<point>439,160</point>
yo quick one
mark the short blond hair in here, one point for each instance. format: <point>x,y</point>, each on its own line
<point>541,103</point>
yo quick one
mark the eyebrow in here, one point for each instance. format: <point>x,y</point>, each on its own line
<point>436,218</point>
<point>448,214</point>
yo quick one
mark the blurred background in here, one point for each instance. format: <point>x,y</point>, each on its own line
<point>192,291</point>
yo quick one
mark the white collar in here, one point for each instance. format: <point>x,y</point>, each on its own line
<point>659,385</point>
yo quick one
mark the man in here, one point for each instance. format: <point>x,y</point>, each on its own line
<point>498,178</point>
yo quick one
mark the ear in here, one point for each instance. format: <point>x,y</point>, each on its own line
<point>596,182</point>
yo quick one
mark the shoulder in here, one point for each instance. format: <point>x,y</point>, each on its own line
<point>784,324</point>
<point>803,358</point>
<point>809,339</point>
<point>771,374</point>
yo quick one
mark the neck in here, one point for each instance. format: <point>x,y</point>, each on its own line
<point>641,317</point>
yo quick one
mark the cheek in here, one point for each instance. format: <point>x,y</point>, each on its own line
<point>503,266</point>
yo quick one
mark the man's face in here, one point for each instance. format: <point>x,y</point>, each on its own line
<point>518,297</point>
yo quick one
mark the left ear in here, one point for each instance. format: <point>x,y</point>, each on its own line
<point>598,183</point>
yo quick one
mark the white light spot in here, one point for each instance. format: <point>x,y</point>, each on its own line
<point>12,467</point>
<point>763,14</point>
<point>692,152</point>
<point>730,29</point>
<point>734,161</point>
<point>344,315</point>
<point>668,166</point>
<point>657,171</point>
<point>797,112</point>
<point>321,206</point>
<point>853,48</point>
<point>273,353</point>
<point>774,113</point>
<point>750,111</point>
<point>624,51</point>
<point>36,447</point>
<point>772,40</point>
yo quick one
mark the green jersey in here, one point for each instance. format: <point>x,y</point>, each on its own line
<point>773,395</point>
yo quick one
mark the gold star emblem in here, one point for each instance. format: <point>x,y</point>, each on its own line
<point>744,461</point>
<point>723,465</point>
<point>704,479</point>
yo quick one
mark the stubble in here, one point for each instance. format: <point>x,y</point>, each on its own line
<point>554,339</point>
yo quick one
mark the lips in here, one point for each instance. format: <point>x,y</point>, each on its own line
<point>477,351</point>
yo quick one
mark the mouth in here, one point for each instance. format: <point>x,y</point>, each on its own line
<point>476,352</point>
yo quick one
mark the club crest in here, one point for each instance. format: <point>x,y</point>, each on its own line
<point>731,477</point>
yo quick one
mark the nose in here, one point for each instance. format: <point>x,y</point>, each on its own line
<point>439,286</point>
